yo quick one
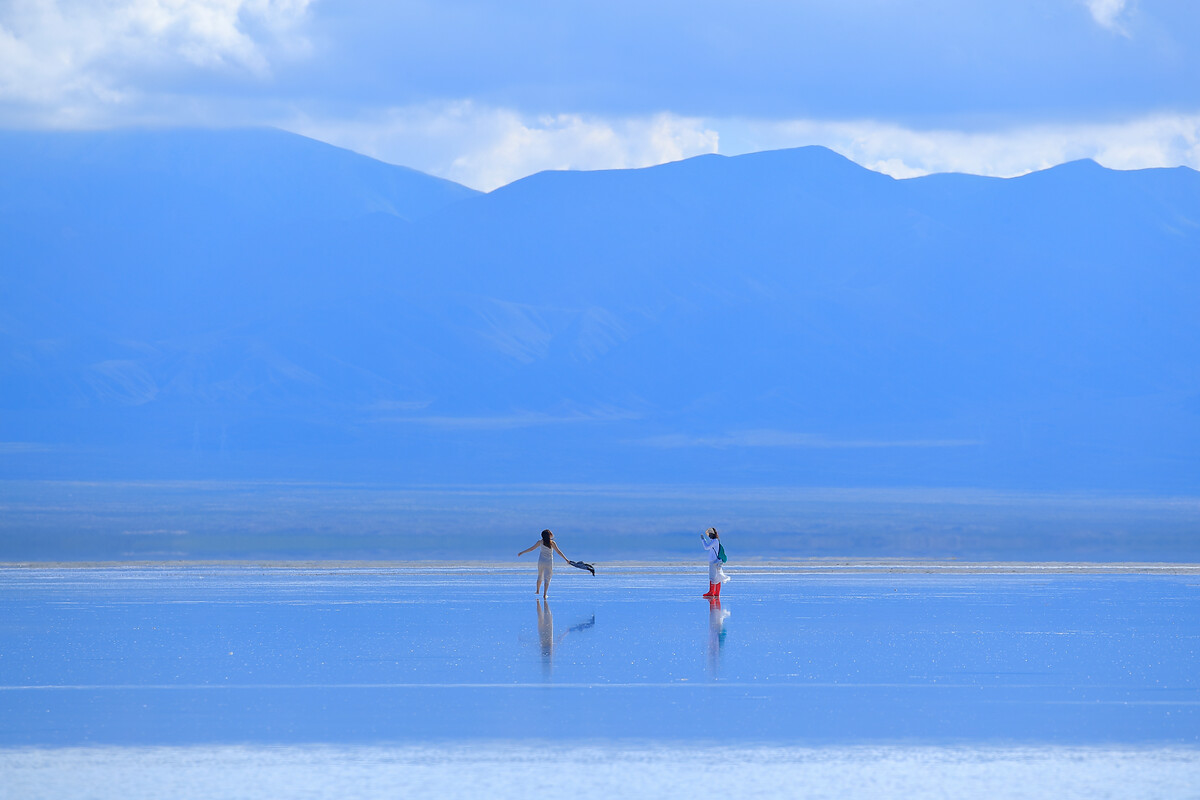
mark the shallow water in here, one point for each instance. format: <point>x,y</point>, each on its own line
<point>843,681</point>
<point>582,772</point>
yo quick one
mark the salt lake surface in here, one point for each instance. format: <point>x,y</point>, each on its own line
<point>454,680</point>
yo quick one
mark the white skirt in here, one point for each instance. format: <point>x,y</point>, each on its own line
<point>716,574</point>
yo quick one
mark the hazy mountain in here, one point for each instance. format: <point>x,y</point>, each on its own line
<point>86,178</point>
<point>255,303</point>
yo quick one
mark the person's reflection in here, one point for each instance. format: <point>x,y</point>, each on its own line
<point>546,636</point>
<point>716,635</point>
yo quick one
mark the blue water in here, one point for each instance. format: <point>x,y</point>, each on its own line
<point>1044,680</point>
<point>165,655</point>
<point>551,769</point>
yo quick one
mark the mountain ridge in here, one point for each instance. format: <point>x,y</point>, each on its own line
<point>1030,333</point>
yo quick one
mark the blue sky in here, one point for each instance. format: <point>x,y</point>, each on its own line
<point>485,93</point>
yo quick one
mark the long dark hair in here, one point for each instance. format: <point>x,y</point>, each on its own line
<point>546,534</point>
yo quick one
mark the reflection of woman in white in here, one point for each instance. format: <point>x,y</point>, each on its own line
<point>546,634</point>
<point>716,575</point>
<point>716,635</point>
<point>546,637</point>
<point>545,560</point>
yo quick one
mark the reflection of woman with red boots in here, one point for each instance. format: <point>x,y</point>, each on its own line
<point>716,635</point>
<point>716,557</point>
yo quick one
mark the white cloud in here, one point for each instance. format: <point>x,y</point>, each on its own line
<point>69,57</point>
<point>1107,13</point>
<point>1163,140</point>
<point>485,147</point>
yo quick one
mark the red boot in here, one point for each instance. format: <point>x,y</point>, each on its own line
<point>717,591</point>
<point>713,588</point>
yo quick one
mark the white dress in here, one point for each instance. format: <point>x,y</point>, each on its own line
<point>713,546</point>
<point>545,562</point>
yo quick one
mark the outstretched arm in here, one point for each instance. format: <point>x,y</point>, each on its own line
<point>560,552</point>
<point>527,549</point>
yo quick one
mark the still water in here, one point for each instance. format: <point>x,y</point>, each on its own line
<point>437,681</point>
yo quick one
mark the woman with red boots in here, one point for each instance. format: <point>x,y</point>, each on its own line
<point>716,557</point>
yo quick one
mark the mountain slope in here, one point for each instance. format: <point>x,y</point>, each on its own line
<point>183,174</point>
<point>781,318</point>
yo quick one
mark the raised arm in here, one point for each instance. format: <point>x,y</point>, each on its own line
<point>531,547</point>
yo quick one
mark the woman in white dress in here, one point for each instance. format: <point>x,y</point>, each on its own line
<point>545,560</point>
<point>716,575</point>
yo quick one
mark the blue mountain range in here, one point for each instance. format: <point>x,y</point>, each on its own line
<point>257,304</point>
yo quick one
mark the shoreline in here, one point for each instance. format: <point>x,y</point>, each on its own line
<point>832,566</point>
